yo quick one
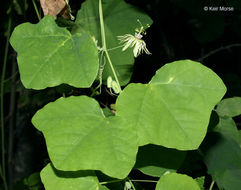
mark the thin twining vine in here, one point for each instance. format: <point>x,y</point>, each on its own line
<point>104,47</point>
<point>36,10</point>
<point>131,184</point>
<point>128,182</point>
<point>102,62</point>
<point>211,186</point>
<point>101,69</point>
<point>3,164</point>
<point>129,40</point>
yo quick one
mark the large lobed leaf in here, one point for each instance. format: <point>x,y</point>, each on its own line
<point>49,55</point>
<point>176,181</point>
<point>227,126</point>
<point>227,170</point>
<point>156,160</point>
<point>59,180</point>
<point>173,110</point>
<point>120,18</point>
<point>231,179</point>
<point>79,137</point>
<point>229,107</point>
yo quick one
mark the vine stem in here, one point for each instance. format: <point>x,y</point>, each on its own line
<point>3,169</point>
<point>130,180</point>
<point>1,174</point>
<point>113,181</point>
<point>148,181</point>
<point>218,50</point>
<point>132,185</point>
<point>211,186</point>
<point>102,28</point>
<point>36,10</point>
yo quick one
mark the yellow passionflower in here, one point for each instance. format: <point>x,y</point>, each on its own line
<point>135,41</point>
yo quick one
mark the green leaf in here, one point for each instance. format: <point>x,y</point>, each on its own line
<point>227,126</point>
<point>156,160</point>
<point>53,179</point>
<point>176,181</point>
<point>102,187</point>
<point>173,110</point>
<point>117,185</point>
<point>49,55</point>
<point>120,18</point>
<point>239,137</point>
<point>191,164</point>
<point>79,137</point>
<point>107,112</point>
<point>221,154</point>
<point>200,181</point>
<point>33,180</point>
<point>214,120</point>
<point>231,180</point>
<point>229,107</point>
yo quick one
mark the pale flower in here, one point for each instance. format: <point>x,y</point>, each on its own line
<point>134,41</point>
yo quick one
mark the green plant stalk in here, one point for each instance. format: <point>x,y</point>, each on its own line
<point>36,10</point>
<point>132,185</point>
<point>211,186</point>
<point>1,174</point>
<point>3,169</point>
<point>102,28</point>
<point>144,181</point>
<point>113,181</point>
<point>133,180</point>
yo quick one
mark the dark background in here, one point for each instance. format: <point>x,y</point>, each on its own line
<point>181,30</point>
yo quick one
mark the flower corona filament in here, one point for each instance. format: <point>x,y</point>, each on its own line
<point>135,41</point>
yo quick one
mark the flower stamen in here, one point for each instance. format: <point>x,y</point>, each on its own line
<point>135,41</point>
